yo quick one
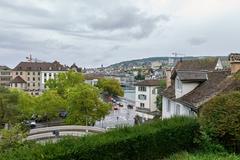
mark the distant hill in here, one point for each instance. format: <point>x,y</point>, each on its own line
<point>164,60</point>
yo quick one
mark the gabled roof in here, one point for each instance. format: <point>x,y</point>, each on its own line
<point>217,81</point>
<point>148,83</point>
<point>195,65</point>
<point>192,76</point>
<point>39,66</point>
<point>18,79</point>
<point>91,76</point>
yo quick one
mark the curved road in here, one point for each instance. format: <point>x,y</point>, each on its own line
<point>70,130</point>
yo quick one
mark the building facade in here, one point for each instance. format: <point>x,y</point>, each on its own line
<point>35,74</point>
<point>193,83</point>
<point>5,76</point>
<point>145,99</point>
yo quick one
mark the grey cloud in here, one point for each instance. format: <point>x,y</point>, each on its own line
<point>26,8</point>
<point>196,41</point>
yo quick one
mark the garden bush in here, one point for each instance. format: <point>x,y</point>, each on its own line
<point>152,140</point>
<point>220,119</point>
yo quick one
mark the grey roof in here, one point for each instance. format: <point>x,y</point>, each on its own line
<point>192,76</point>
<point>4,68</point>
<point>148,83</point>
<point>40,66</point>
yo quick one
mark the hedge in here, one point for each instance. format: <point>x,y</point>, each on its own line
<point>152,140</point>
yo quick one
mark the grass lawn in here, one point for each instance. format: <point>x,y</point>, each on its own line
<point>203,156</point>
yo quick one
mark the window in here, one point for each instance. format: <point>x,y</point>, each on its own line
<point>168,105</point>
<point>45,74</point>
<point>142,97</point>
<point>38,84</point>
<point>142,105</point>
<point>20,73</point>
<point>33,73</point>
<point>39,79</point>
<point>28,73</point>
<point>16,73</point>
<point>50,74</point>
<point>28,78</point>
<point>33,78</point>
<point>45,80</point>
<point>178,109</point>
<point>28,84</point>
<point>39,73</point>
<point>15,84</point>
<point>50,68</point>
<point>142,88</point>
<point>154,91</point>
<point>33,84</point>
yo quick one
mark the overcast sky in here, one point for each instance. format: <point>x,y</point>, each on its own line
<point>95,32</point>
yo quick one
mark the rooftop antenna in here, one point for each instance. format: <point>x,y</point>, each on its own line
<point>29,59</point>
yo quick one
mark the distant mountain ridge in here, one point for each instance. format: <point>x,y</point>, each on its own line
<point>148,61</point>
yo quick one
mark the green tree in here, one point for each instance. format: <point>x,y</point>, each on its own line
<point>162,86</point>
<point>111,86</point>
<point>220,118</point>
<point>8,106</point>
<point>85,106</point>
<point>11,138</point>
<point>49,104</point>
<point>65,80</point>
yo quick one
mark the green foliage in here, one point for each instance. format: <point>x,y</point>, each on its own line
<point>49,104</point>
<point>153,140</point>
<point>8,106</point>
<point>65,80</point>
<point>220,119</point>
<point>162,86</point>
<point>203,156</point>
<point>85,106</point>
<point>111,86</point>
<point>11,138</point>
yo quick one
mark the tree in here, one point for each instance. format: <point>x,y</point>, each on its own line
<point>85,106</point>
<point>8,106</point>
<point>220,118</point>
<point>49,105</point>
<point>63,81</point>
<point>12,137</point>
<point>162,86</point>
<point>111,86</point>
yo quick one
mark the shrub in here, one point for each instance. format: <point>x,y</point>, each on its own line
<point>220,119</point>
<point>148,141</point>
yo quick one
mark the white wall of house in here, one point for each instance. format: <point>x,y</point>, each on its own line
<point>219,64</point>
<point>184,87</point>
<point>171,108</point>
<point>92,82</point>
<point>46,75</point>
<point>150,98</point>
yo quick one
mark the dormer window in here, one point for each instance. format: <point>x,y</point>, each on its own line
<point>50,68</point>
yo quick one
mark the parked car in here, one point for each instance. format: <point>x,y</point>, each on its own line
<point>129,106</point>
<point>120,104</point>
<point>30,123</point>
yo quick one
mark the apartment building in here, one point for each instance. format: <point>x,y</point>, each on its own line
<point>32,76</point>
<point>146,97</point>
<point>5,76</point>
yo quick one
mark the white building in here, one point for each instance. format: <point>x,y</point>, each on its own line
<point>193,83</point>
<point>145,99</point>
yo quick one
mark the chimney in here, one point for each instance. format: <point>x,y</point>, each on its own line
<point>168,77</point>
<point>234,59</point>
